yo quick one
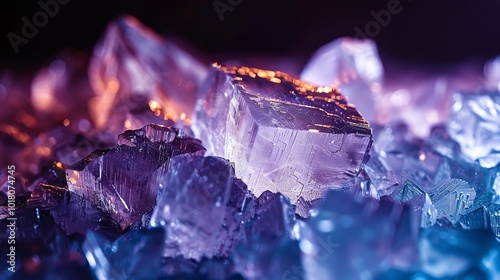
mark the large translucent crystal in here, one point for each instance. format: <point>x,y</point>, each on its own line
<point>141,78</point>
<point>202,207</point>
<point>124,180</point>
<point>475,123</point>
<point>283,134</point>
<point>352,65</point>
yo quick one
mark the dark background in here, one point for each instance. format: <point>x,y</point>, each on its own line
<point>430,32</point>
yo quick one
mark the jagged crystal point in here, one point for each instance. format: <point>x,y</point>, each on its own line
<point>140,78</point>
<point>124,181</point>
<point>474,123</point>
<point>283,134</point>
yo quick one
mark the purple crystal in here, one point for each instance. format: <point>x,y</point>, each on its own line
<point>124,180</point>
<point>141,78</point>
<point>352,65</point>
<point>283,134</point>
<point>203,208</point>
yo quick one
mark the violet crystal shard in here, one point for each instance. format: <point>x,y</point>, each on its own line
<point>140,78</point>
<point>203,208</point>
<point>284,135</point>
<point>124,180</point>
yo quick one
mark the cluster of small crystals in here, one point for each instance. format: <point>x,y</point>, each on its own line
<point>287,182</point>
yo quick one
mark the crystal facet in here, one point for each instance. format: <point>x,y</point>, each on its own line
<point>283,134</point>
<point>202,207</point>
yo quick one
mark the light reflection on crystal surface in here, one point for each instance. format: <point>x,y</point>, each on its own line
<point>134,68</point>
<point>413,206</point>
<point>283,134</point>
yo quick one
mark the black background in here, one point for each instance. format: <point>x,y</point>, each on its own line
<point>431,32</point>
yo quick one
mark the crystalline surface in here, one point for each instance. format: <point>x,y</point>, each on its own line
<point>475,123</point>
<point>352,65</point>
<point>124,180</point>
<point>283,135</point>
<point>202,208</point>
<point>140,78</point>
<point>492,73</point>
<point>351,236</point>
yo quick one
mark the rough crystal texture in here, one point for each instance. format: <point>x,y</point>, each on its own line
<point>352,65</point>
<point>475,123</point>
<point>283,134</point>
<point>202,207</point>
<point>352,237</point>
<point>124,180</point>
<point>141,78</point>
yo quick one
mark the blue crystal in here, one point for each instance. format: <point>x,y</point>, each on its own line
<point>353,237</point>
<point>143,248</point>
<point>474,122</point>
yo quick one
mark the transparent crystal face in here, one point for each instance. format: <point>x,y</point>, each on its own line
<point>284,135</point>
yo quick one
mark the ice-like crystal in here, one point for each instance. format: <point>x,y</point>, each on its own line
<point>352,237</point>
<point>75,214</point>
<point>268,257</point>
<point>446,254</point>
<point>283,134</point>
<point>203,208</point>
<point>142,248</point>
<point>475,123</point>
<point>141,78</point>
<point>352,65</point>
<point>124,180</point>
<point>492,73</point>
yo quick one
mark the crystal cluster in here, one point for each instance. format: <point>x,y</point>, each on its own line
<point>283,134</point>
<point>297,185</point>
<point>124,180</point>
